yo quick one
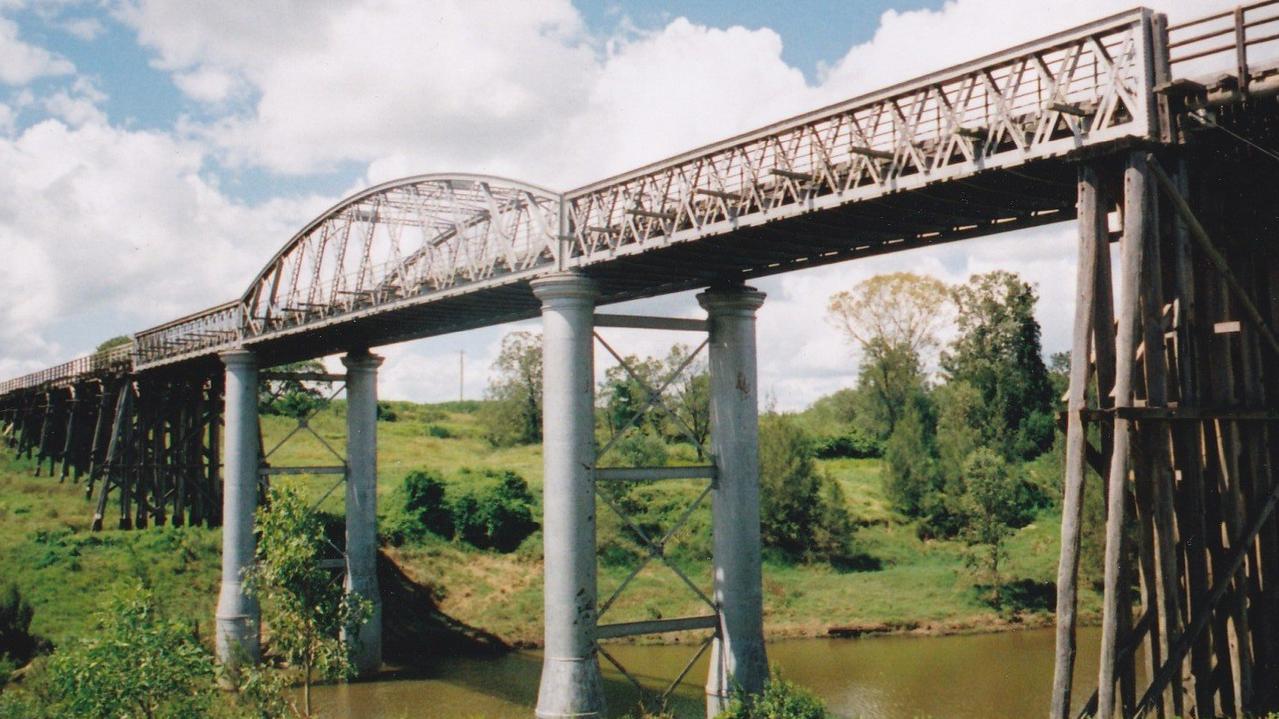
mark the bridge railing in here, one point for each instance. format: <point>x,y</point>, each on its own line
<point>194,334</point>
<point>1085,86</point>
<point>115,360</point>
<point>1231,40</point>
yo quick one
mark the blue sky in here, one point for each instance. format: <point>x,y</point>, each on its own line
<point>153,154</point>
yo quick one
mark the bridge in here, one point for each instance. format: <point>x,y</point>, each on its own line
<point>1154,136</point>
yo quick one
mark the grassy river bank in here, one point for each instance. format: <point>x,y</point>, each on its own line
<point>446,595</point>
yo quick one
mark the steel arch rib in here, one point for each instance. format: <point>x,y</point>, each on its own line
<point>461,229</point>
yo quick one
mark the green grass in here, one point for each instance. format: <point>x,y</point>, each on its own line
<point>46,546</point>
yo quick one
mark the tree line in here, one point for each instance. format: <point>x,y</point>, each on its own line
<point>953,441</point>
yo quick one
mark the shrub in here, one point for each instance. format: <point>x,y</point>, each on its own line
<point>908,462</point>
<point>496,514</point>
<point>137,663</point>
<point>17,643</point>
<point>638,448</point>
<point>854,444</point>
<point>386,413</point>
<point>779,700</point>
<point>435,430</point>
<point>424,501</point>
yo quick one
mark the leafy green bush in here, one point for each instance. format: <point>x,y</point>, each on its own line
<point>386,413</point>
<point>305,609</point>
<point>779,700</point>
<point>424,502</point>
<point>854,443</point>
<point>435,430</point>
<point>496,512</point>
<point>137,663</point>
<point>638,448</point>
<point>17,643</point>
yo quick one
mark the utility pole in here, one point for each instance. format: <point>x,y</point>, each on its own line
<point>461,375</point>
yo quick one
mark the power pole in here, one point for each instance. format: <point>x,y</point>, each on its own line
<point>461,375</point>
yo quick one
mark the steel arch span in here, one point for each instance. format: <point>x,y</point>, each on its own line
<point>390,244</point>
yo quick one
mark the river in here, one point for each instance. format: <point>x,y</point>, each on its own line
<point>985,676</point>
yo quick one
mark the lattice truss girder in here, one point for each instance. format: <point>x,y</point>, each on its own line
<point>1089,86</point>
<point>654,545</point>
<point>421,235</point>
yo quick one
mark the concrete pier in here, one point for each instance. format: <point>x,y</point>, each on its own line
<point>738,659</point>
<point>570,685</point>
<point>238,620</point>
<point>361,504</point>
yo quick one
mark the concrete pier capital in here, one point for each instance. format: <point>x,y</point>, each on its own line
<point>740,300</point>
<point>362,361</point>
<point>238,357</point>
<point>565,288</point>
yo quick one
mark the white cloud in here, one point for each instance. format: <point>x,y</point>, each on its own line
<point>78,104</point>
<point>206,84</point>
<point>20,62</point>
<point>96,221</point>
<point>84,28</point>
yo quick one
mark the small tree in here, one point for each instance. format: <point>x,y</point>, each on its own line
<point>908,464</point>
<point>304,607</point>
<point>292,397</point>
<point>514,412</point>
<point>990,501</point>
<point>137,662</point>
<point>802,511</point>
<point>690,396</point>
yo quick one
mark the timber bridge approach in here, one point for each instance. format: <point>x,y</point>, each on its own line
<point>1158,137</point>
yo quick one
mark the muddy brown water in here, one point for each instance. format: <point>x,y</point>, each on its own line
<point>989,676</point>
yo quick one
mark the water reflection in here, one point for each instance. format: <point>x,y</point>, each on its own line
<point>987,676</point>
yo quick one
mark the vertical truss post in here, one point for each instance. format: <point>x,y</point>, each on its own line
<point>237,617</point>
<point>738,659</point>
<point>361,503</point>
<point>570,684</point>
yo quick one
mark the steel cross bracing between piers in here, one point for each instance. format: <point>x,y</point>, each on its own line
<point>978,148</point>
<point>266,470</point>
<point>611,486</point>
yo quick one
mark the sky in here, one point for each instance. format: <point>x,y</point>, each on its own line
<point>154,155</point>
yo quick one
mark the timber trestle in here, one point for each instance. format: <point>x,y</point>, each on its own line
<point>1174,407</point>
<point>147,445</point>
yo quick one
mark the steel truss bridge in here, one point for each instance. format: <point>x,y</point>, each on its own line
<point>1169,129</point>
